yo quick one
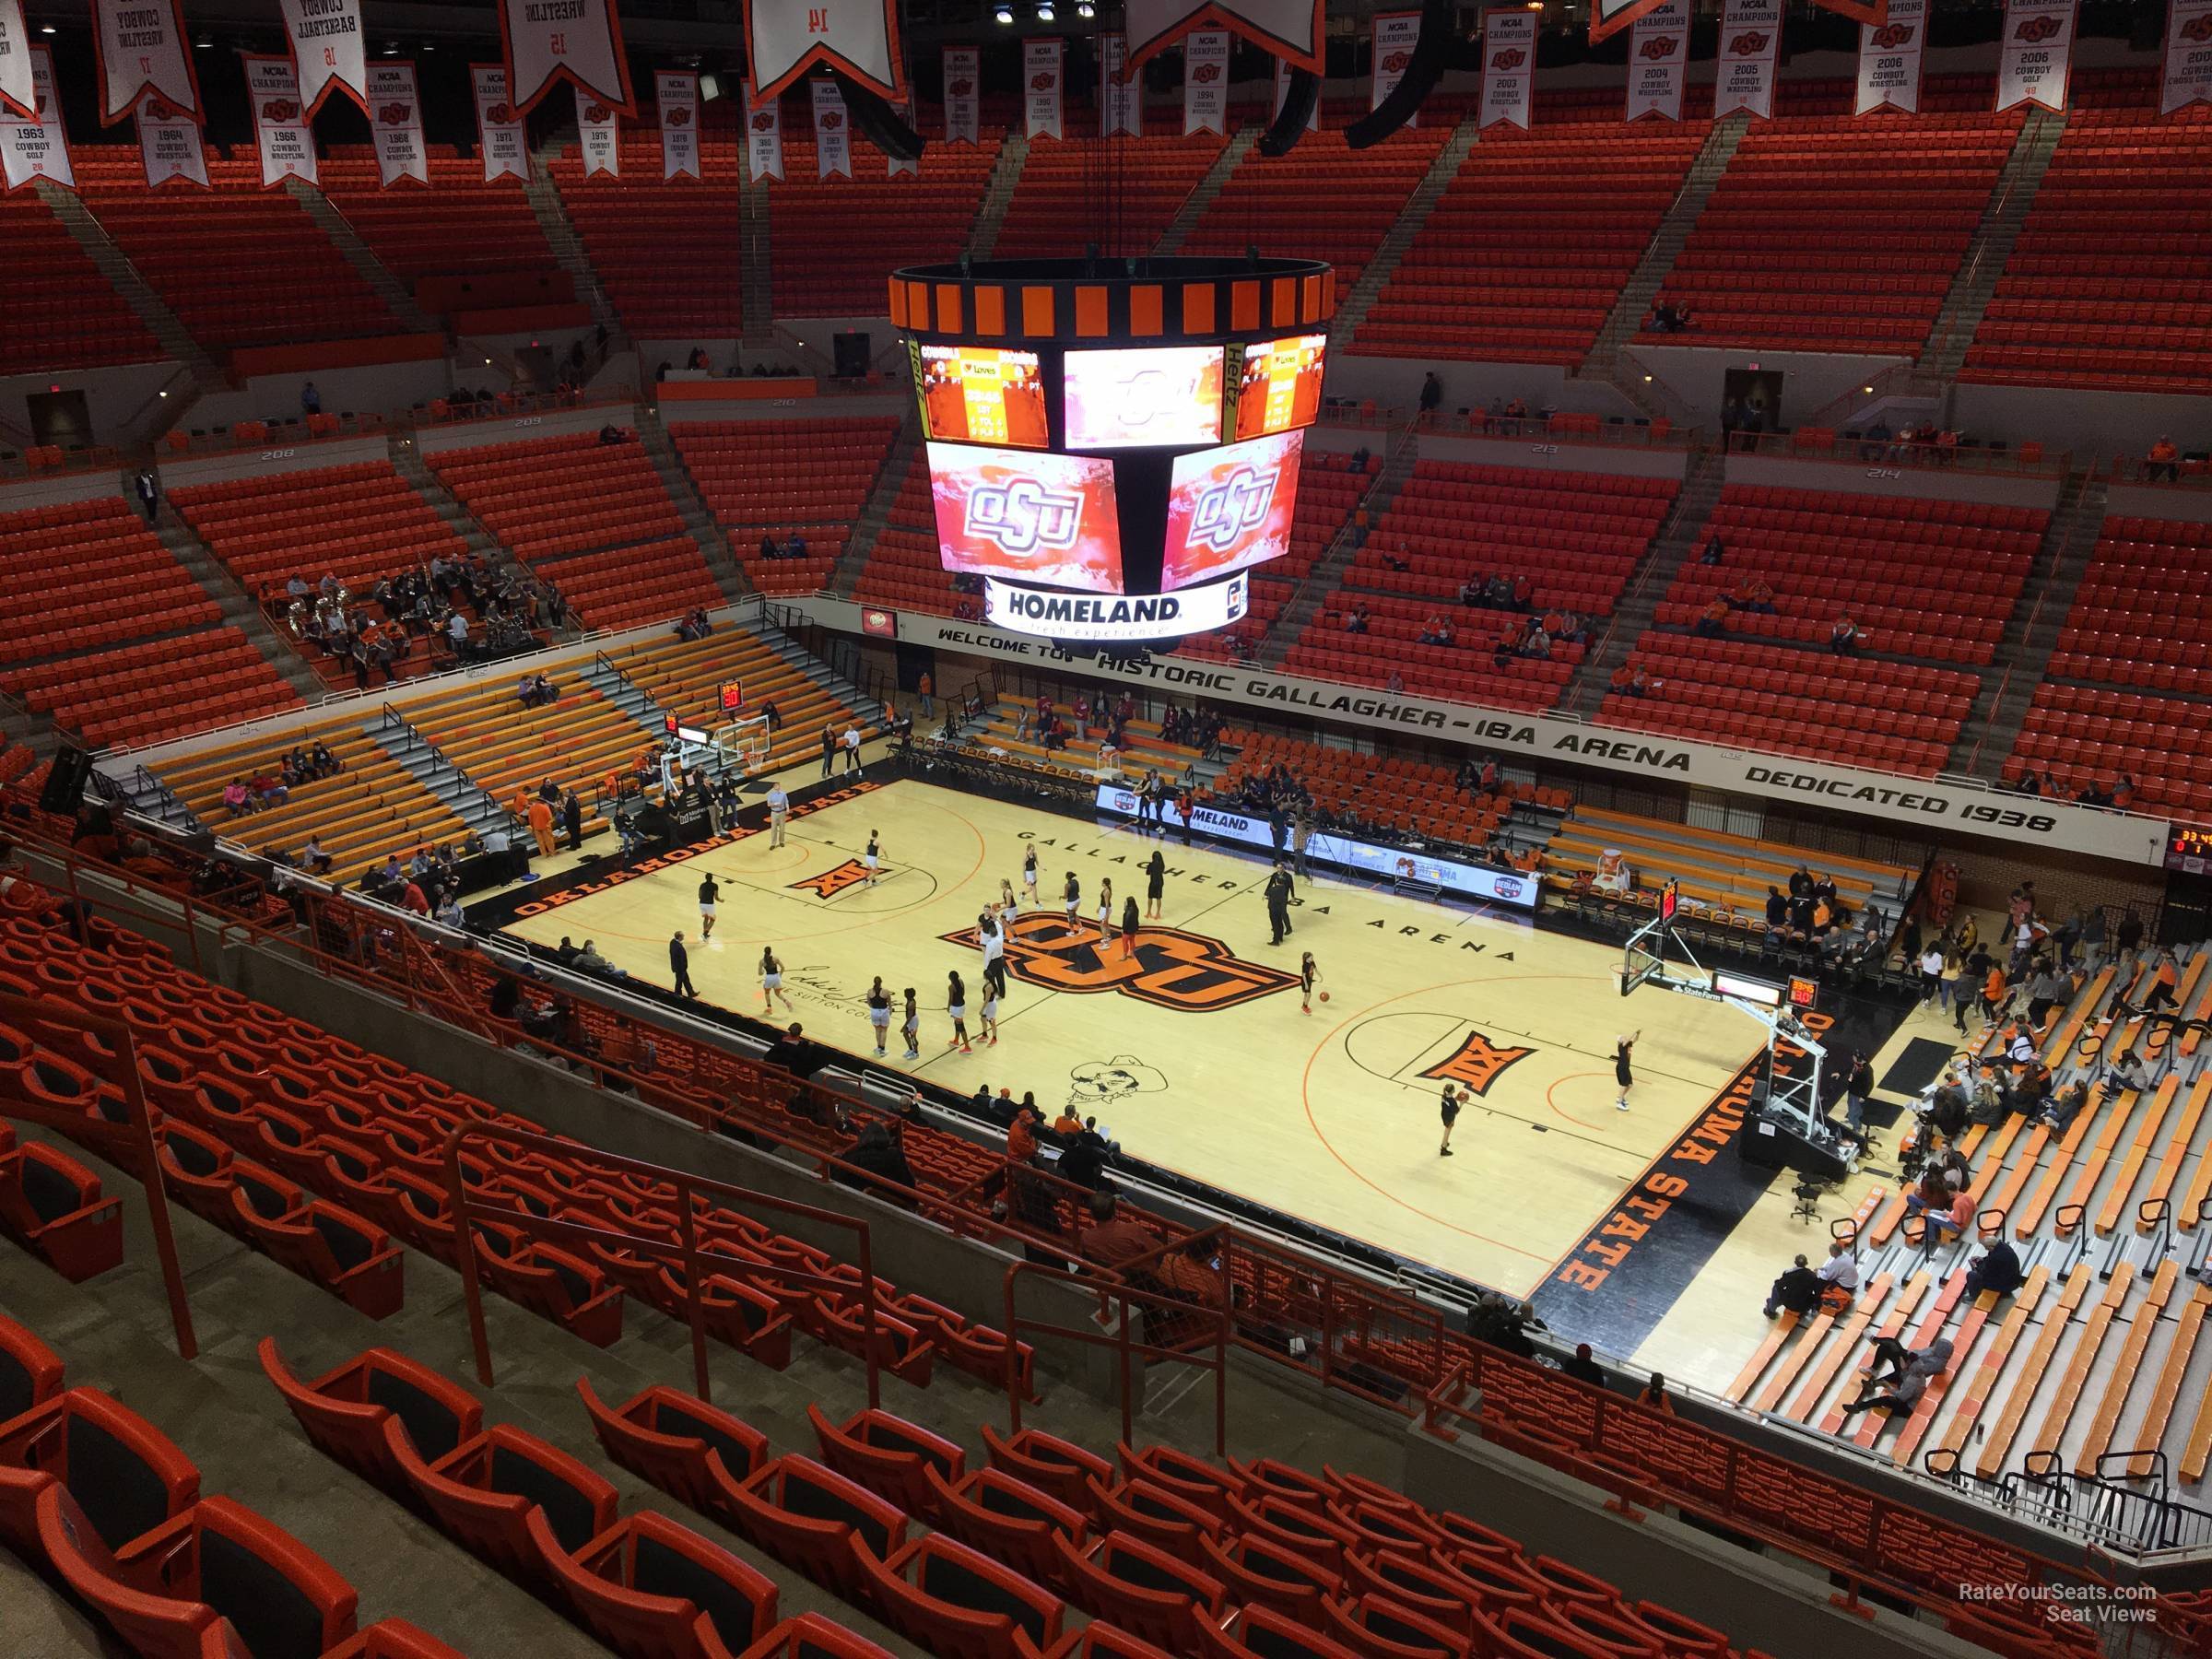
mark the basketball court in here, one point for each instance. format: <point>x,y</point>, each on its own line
<point>1191,1050</point>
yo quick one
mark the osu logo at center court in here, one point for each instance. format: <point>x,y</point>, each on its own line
<point>1227,511</point>
<point>1478,1064</point>
<point>831,882</point>
<point>1187,972</point>
<point>1023,515</point>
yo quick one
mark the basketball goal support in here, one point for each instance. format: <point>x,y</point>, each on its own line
<point>1657,955</point>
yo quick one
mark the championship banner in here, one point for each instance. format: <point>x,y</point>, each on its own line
<point>1394,34</point>
<point>37,148</point>
<point>579,42</point>
<point>1876,12</point>
<point>1290,29</point>
<point>1659,62</point>
<point>1750,44</point>
<point>1610,17</point>
<point>18,90</point>
<point>498,132</point>
<point>763,136</point>
<point>833,137</point>
<point>1509,65</point>
<point>141,48</point>
<point>785,39</point>
<point>280,131</point>
<point>896,166</point>
<point>395,118</point>
<point>963,94</point>
<point>327,51</point>
<point>1205,82</point>
<point>1890,58</point>
<point>2188,74</point>
<point>1040,88</point>
<point>675,96</point>
<point>598,136</point>
<point>2038,59</point>
<point>1121,100</point>
<point>169,145</point>
<point>1282,91</point>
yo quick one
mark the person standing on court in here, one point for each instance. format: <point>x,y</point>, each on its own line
<point>852,742</point>
<point>571,819</point>
<point>1623,1072</point>
<point>679,967</point>
<point>1279,904</point>
<point>541,826</point>
<point>707,893</point>
<point>1302,832</point>
<point>927,691</point>
<point>1155,881</point>
<point>828,749</point>
<point>1449,1108</point>
<point>1183,803</point>
<point>779,814</point>
<point>879,1014</point>
<point>1131,921</point>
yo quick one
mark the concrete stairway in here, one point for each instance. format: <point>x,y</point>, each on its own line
<point>408,462</point>
<point>998,195</point>
<point>1652,271</point>
<point>387,287</point>
<point>1328,569</point>
<point>1680,534</point>
<point>1375,275</point>
<point>755,269</point>
<point>568,247</point>
<point>122,275</point>
<point>148,795</point>
<point>875,512</point>
<point>238,605</point>
<point>1203,192</point>
<point>2032,631</point>
<point>1944,354</point>
<point>468,800</point>
<point>675,477</point>
<point>840,686</point>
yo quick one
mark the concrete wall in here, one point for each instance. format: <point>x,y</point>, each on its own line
<point>2095,425</point>
<point>275,461</point>
<point>60,490</point>
<point>1557,454</point>
<point>112,396</point>
<point>515,429</point>
<point>377,387</point>
<point>1918,483</point>
<point>1697,373</point>
<point>2154,501</point>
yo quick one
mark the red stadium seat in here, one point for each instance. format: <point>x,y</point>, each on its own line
<point>685,1447</point>
<point>815,1521</point>
<point>484,1490</point>
<point>344,1411</point>
<point>124,1473</point>
<point>960,1604</point>
<point>651,1589</point>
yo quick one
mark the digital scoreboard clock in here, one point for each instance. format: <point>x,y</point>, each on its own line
<point>2188,849</point>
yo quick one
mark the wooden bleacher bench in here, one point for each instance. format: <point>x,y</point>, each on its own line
<point>1968,1409</point>
<point>1922,1417</point>
<point>1869,1426</point>
<point>2142,1326</point>
<point>1847,1335</point>
<point>2030,1376</point>
<point>2076,1376</point>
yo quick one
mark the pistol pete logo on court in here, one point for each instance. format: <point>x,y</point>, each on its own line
<point>1478,1064</point>
<point>831,882</point>
<point>1188,972</point>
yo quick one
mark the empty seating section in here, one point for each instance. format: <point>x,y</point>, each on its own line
<point>1328,495</point>
<point>1839,233</point>
<point>57,310</point>
<point>1722,874</point>
<point>90,573</point>
<point>668,252</point>
<point>239,265</point>
<point>786,478</point>
<point>817,227</point>
<point>460,227</point>
<point>904,568</point>
<point>2134,624</point>
<point>593,518</point>
<point>1055,204</point>
<point>1575,535</point>
<point>357,522</point>
<point>2104,287</point>
<point>684,677</point>
<point>1522,258</point>
<point>1413,796</point>
<point>1322,201</point>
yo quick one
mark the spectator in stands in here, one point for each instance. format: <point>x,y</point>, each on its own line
<point>449,912</point>
<point>2165,981</point>
<point>1535,644</point>
<point>1994,996</point>
<point>1997,1270</point>
<point>311,400</point>
<point>2163,461</point>
<point>1796,1288</point>
<point>1907,1371</point>
<point>238,800</point>
<point>1436,631</point>
<point>1583,1368</point>
<point>877,1155</point>
<point>1503,1323</point>
<point>1654,1395</point>
<point>150,494</point>
<point>2046,990</point>
<point>1843,638</point>
<point>1354,620</point>
<point>2127,939</point>
<point>2127,1075</point>
<point>591,961</point>
<point>1751,595</point>
<point>1713,622</point>
<point>312,858</point>
<point>535,691</point>
<point>1432,393</point>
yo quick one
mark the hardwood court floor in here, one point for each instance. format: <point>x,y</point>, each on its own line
<point>1194,1053</point>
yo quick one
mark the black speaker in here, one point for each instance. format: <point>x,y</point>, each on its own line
<point>65,783</point>
<point>1289,124</point>
<point>1770,1142</point>
<point>850,353</point>
<point>1431,48</point>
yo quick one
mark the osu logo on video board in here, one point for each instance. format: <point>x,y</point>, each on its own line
<point>1478,1064</point>
<point>829,883</point>
<point>1023,515</point>
<point>1228,510</point>
<point>1170,969</point>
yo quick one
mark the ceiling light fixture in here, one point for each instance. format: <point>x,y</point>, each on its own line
<point>1005,15</point>
<point>1045,14</point>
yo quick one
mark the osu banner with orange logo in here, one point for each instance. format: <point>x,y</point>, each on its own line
<point>833,137</point>
<point>1290,29</point>
<point>1040,88</point>
<point>1508,64</point>
<point>785,39</point>
<point>1750,45</point>
<point>963,94</point>
<point>18,91</point>
<point>598,137</point>
<point>169,146</point>
<point>395,118</point>
<point>1121,98</point>
<point>579,42</point>
<point>763,136</point>
<point>2038,60</point>
<point>1658,62</point>
<point>498,129</point>
<point>1394,34</point>
<point>280,131</point>
<point>675,94</point>
<point>140,44</point>
<point>37,148</point>
<point>1205,82</point>
<point>2187,78</point>
<point>327,49</point>
<point>1889,55</point>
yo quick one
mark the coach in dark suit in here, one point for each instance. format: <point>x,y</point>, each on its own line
<point>679,967</point>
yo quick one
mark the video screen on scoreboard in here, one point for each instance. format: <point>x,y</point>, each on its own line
<point>1279,387</point>
<point>1143,397</point>
<point>1044,518</point>
<point>1230,507</point>
<point>980,394</point>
